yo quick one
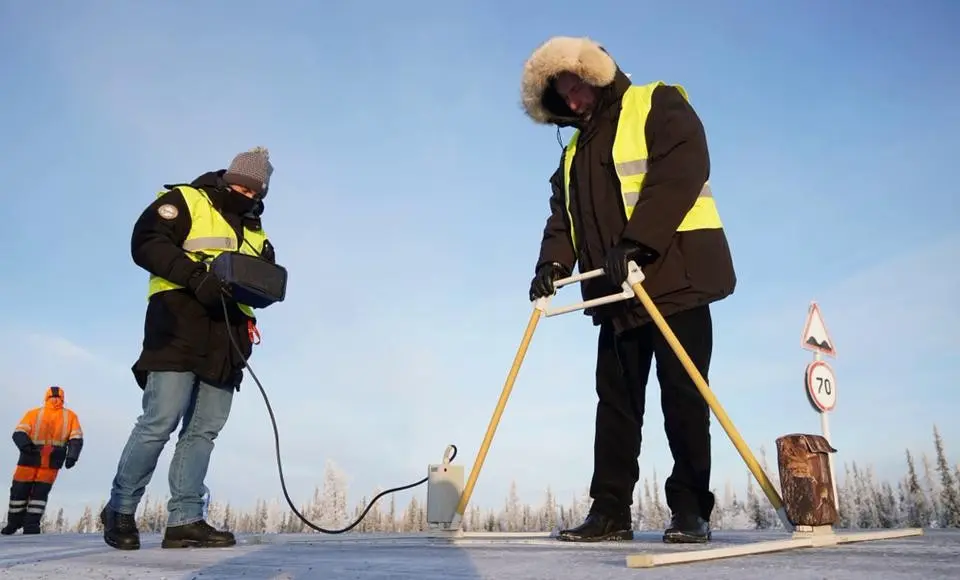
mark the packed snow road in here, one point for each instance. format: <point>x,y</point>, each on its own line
<point>934,555</point>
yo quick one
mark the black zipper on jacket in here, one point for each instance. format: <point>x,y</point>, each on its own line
<point>585,250</point>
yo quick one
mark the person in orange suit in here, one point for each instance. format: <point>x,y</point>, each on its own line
<point>49,438</point>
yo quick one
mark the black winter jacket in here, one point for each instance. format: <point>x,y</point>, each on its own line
<point>180,333</point>
<point>693,267</point>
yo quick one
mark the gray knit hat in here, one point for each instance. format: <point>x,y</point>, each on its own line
<point>251,169</point>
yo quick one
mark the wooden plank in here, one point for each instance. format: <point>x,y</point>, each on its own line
<point>649,560</point>
<point>499,535</point>
<point>810,540</point>
<point>873,535</point>
<point>438,533</point>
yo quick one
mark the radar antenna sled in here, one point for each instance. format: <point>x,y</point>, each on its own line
<point>446,481</point>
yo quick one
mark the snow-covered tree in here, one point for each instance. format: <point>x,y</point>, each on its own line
<point>215,513</point>
<point>392,515</point>
<point>227,523</point>
<point>97,524</point>
<point>260,518</point>
<point>888,510</point>
<point>917,509</point>
<point>511,520</point>
<point>949,494</point>
<point>956,476</point>
<point>932,490</point>
<point>846,512</point>
<point>769,515</point>
<point>549,517</point>
<point>144,507</point>
<point>724,510</point>
<point>716,516</point>
<point>334,500</point>
<point>85,523</point>
<point>656,514</point>
<point>411,516</point>
<point>867,515</point>
<point>374,517</point>
<point>759,516</point>
<point>473,522</point>
<point>159,516</point>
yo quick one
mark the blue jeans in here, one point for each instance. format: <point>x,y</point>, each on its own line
<point>167,398</point>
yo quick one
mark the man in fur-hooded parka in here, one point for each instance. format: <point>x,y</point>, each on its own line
<point>574,82</point>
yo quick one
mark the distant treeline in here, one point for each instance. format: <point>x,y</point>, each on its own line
<point>927,495</point>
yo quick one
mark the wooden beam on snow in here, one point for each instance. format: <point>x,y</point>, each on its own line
<point>800,540</point>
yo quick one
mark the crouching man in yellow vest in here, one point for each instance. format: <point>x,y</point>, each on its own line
<point>189,368</point>
<point>632,184</point>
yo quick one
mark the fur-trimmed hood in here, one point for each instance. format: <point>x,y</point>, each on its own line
<point>580,56</point>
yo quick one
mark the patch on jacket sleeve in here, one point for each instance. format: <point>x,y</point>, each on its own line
<point>168,211</point>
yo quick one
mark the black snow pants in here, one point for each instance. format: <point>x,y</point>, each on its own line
<point>28,502</point>
<point>622,370</point>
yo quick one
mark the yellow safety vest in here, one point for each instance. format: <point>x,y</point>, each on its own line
<point>209,235</point>
<point>630,161</point>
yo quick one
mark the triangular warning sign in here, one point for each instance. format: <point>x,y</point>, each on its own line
<point>816,337</point>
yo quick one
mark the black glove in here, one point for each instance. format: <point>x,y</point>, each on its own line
<point>542,283</point>
<point>30,449</point>
<point>207,288</point>
<point>70,462</point>
<point>619,256</point>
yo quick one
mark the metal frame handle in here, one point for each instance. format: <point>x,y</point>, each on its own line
<point>561,282</point>
<point>634,276</point>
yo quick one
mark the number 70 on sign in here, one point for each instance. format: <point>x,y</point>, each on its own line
<point>821,386</point>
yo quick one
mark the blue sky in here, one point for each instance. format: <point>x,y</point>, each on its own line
<point>408,202</point>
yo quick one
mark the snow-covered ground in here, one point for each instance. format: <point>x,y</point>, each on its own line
<point>936,554</point>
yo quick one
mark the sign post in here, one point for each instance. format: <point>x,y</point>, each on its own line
<point>819,379</point>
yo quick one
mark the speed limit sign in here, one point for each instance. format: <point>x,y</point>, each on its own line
<point>821,386</point>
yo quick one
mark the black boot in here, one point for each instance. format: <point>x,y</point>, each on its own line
<point>14,523</point>
<point>687,529</point>
<point>31,521</point>
<point>120,530</point>
<point>9,529</point>
<point>599,528</point>
<point>197,535</point>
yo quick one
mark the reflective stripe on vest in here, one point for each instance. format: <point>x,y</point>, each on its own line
<point>53,438</point>
<point>210,234</point>
<point>630,162</point>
